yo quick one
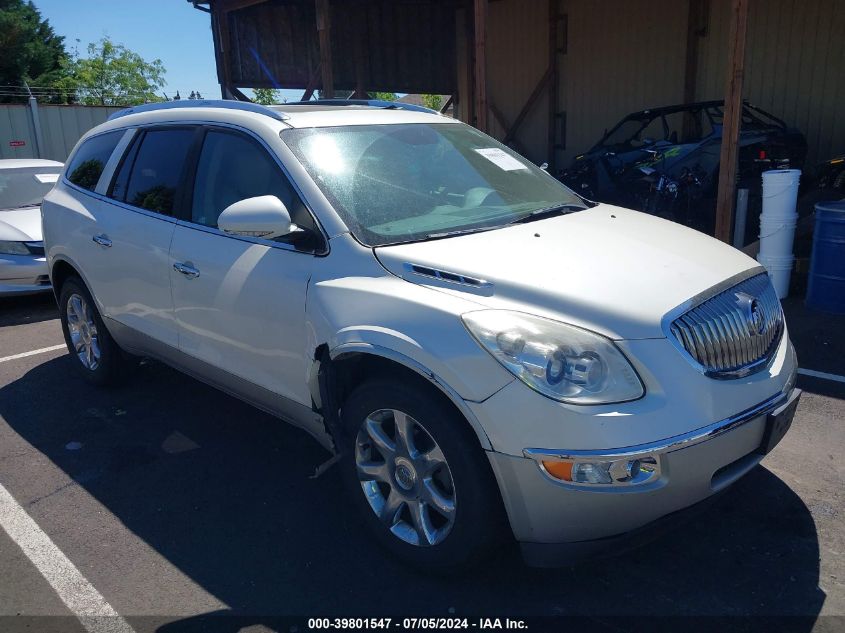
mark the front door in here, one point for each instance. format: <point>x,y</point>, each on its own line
<point>240,302</point>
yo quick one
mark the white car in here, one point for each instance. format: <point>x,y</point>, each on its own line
<point>482,347</point>
<point>23,184</point>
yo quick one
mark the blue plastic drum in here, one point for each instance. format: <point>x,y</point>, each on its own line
<point>826,290</point>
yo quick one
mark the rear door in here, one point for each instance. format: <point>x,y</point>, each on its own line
<point>240,301</point>
<point>125,251</point>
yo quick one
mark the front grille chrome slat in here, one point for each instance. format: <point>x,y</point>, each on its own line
<point>733,333</point>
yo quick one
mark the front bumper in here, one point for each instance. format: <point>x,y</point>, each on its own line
<point>23,274</point>
<point>558,522</point>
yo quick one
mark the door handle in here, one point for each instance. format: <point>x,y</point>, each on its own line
<point>185,269</point>
<point>102,239</point>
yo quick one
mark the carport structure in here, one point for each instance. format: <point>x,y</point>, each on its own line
<point>547,76</point>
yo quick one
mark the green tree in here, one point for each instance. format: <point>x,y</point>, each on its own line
<point>266,96</point>
<point>384,96</point>
<point>432,101</point>
<point>30,51</point>
<point>114,75</point>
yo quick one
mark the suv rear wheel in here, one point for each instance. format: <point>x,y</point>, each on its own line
<point>96,356</point>
<point>418,476</point>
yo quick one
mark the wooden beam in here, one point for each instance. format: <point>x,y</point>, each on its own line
<point>360,58</point>
<point>731,119</point>
<point>697,16</point>
<point>502,120</point>
<point>313,82</point>
<point>446,105</point>
<point>325,34</point>
<point>535,95</point>
<point>221,21</point>
<point>234,5</point>
<point>551,147</point>
<point>481,65</point>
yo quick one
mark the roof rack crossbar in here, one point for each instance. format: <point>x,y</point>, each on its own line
<point>246,106</point>
<point>373,103</point>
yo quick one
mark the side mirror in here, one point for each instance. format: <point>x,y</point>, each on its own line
<point>261,216</point>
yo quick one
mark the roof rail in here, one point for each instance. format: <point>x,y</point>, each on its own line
<point>373,103</point>
<point>246,106</point>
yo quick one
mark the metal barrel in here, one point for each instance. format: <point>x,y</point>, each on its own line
<point>826,289</point>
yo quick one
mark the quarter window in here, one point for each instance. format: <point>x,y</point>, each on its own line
<point>152,170</point>
<point>90,159</point>
<point>233,167</point>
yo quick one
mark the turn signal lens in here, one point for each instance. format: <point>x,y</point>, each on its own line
<point>559,470</point>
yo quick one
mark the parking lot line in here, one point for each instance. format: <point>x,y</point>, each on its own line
<point>821,374</point>
<point>43,350</point>
<point>80,596</point>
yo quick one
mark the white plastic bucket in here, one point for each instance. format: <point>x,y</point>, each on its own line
<point>780,192</point>
<point>777,236</point>
<point>779,269</point>
<point>779,216</point>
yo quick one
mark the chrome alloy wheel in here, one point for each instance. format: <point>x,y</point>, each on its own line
<point>83,331</point>
<point>405,477</point>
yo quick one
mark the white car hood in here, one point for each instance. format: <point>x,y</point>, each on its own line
<point>609,269</point>
<point>20,225</point>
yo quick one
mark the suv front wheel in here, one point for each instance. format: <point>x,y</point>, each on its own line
<point>418,476</point>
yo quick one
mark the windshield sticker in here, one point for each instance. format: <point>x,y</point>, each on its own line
<point>45,178</point>
<point>501,159</point>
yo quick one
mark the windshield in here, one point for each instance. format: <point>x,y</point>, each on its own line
<point>409,182</point>
<point>26,187</point>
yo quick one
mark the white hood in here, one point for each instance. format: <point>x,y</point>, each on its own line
<point>20,225</point>
<point>609,269</point>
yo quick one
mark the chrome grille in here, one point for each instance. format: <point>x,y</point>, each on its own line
<point>735,332</point>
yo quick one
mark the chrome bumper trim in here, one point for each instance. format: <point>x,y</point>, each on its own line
<point>662,446</point>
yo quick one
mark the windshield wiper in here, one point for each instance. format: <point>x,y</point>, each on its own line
<point>539,214</point>
<point>547,212</point>
<point>477,229</point>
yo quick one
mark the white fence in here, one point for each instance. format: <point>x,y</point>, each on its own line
<point>46,131</point>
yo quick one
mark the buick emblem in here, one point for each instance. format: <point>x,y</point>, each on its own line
<point>755,318</point>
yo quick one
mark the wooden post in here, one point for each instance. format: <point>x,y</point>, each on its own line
<point>481,65</point>
<point>551,149</point>
<point>731,120</point>
<point>220,19</point>
<point>535,95</point>
<point>313,82</point>
<point>325,34</point>
<point>696,29</point>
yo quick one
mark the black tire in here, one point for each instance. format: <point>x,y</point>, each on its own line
<point>479,518</point>
<point>113,365</point>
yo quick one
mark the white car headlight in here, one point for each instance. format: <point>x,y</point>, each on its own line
<point>560,361</point>
<point>13,248</point>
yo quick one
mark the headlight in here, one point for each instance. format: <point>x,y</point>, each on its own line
<point>13,248</point>
<point>560,361</point>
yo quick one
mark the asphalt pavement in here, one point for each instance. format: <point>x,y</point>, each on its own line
<point>174,505</point>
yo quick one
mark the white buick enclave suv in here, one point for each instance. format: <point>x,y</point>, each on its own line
<point>480,346</point>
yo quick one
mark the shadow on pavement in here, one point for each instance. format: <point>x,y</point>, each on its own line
<point>234,509</point>
<point>27,309</point>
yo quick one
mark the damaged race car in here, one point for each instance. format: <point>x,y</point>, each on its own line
<point>665,161</point>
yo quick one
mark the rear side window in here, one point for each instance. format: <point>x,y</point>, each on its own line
<point>152,170</point>
<point>90,159</point>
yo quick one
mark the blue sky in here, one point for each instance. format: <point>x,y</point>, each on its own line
<point>170,30</point>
